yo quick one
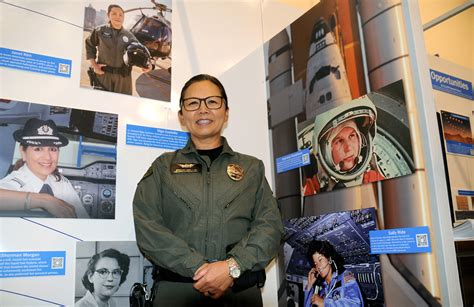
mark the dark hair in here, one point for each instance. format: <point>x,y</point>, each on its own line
<point>203,77</point>
<point>19,163</point>
<point>122,259</point>
<point>327,250</point>
<point>113,6</point>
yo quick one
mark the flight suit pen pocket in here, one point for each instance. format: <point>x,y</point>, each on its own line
<point>231,200</point>
<point>182,199</point>
<point>177,210</point>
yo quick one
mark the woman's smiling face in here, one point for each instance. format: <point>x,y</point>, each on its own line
<point>205,125</point>
<point>116,18</point>
<point>321,263</point>
<point>41,160</point>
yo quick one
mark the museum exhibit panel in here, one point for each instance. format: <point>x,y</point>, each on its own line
<point>360,113</point>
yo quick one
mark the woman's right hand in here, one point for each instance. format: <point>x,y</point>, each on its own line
<point>53,205</point>
<point>98,68</point>
<point>311,278</point>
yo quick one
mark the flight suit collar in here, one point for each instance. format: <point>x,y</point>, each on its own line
<point>191,148</point>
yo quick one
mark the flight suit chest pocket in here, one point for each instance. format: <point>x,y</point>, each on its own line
<point>237,214</point>
<point>178,210</point>
<point>240,203</point>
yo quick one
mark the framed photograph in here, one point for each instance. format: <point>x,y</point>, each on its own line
<point>57,162</point>
<point>127,47</point>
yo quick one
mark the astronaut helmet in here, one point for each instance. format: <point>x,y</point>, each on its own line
<point>359,116</point>
<point>136,54</point>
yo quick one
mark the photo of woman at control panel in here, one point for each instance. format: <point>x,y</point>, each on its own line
<point>56,162</point>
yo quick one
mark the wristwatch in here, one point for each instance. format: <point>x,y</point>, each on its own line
<point>234,269</point>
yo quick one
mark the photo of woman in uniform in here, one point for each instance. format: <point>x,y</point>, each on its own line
<point>35,182</point>
<point>106,272</point>
<point>105,50</point>
<point>329,283</point>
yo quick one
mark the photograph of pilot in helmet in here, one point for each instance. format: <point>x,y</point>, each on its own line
<point>344,137</point>
<point>347,146</point>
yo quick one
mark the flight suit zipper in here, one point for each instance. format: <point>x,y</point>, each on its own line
<point>208,207</point>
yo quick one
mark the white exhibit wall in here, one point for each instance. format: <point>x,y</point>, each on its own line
<point>223,38</point>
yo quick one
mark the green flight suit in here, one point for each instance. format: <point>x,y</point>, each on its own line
<point>109,45</point>
<point>188,211</point>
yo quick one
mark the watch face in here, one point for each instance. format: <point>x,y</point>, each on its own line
<point>235,272</point>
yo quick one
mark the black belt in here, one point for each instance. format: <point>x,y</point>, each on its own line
<point>168,275</point>
<point>124,70</point>
<point>247,280</point>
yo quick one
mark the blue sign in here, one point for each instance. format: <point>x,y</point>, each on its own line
<point>400,241</point>
<point>293,160</point>
<point>465,193</point>
<point>156,137</point>
<point>450,84</point>
<point>43,64</point>
<point>460,148</point>
<point>29,264</point>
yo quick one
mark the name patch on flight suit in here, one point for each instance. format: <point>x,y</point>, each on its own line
<point>107,34</point>
<point>180,168</point>
<point>336,295</point>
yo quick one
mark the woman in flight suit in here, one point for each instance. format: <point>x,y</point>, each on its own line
<point>108,43</point>
<point>35,182</point>
<point>205,213</point>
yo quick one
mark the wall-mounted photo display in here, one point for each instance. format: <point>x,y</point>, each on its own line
<point>127,47</point>
<point>328,261</point>
<point>317,93</point>
<point>358,142</point>
<point>113,273</point>
<point>457,133</point>
<point>57,162</point>
<point>318,100</point>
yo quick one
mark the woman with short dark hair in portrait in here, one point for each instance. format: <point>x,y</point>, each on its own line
<point>106,271</point>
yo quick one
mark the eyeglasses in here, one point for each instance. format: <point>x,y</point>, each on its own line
<point>104,273</point>
<point>194,103</point>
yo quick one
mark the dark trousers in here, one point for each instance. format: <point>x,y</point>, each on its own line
<point>116,83</point>
<point>179,294</point>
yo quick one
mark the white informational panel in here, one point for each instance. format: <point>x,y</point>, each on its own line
<point>457,141</point>
<point>220,38</point>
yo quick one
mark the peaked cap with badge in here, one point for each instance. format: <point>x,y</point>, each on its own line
<point>37,132</point>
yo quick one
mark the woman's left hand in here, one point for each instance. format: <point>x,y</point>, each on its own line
<point>147,69</point>
<point>317,300</point>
